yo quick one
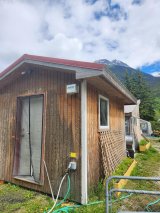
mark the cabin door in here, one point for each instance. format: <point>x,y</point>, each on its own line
<point>30,138</point>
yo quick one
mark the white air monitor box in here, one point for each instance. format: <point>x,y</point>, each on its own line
<point>72,89</point>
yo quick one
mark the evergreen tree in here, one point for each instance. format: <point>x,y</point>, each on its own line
<point>138,87</point>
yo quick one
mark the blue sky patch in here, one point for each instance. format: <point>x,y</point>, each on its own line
<point>155,67</point>
<point>91,1</point>
<point>114,12</point>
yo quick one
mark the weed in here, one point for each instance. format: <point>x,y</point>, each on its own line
<point>123,166</point>
<point>97,192</point>
<point>143,142</point>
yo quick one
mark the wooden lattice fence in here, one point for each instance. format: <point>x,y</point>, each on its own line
<point>113,149</point>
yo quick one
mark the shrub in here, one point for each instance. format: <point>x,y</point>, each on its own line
<point>143,142</point>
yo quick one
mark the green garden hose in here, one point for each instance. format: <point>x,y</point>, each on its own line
<point>151,204</point>
<point>66,195</point>
<point>66,209</point>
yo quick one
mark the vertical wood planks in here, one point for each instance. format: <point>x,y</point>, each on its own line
<point>62,126</point>
<point>116,119</point>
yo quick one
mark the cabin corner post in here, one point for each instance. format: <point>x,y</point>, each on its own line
<point>84,165</point>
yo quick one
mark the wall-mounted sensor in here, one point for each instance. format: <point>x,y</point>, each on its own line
<point>72,89</point>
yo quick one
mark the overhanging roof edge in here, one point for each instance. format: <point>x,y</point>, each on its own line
<point>118,84</point>
<point>52,62</point>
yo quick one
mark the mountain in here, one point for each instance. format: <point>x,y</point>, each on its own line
<point>111,63</point>
<point>119,68</point>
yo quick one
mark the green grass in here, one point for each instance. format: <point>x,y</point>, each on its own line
<point>123,167</point>
<point>148,164</point>
<point>100,192</point>
<point>20,200</point>
<point>16,199</point>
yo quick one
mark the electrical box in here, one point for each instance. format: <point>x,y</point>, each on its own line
<point>72,165</point>
<point>72,89</point>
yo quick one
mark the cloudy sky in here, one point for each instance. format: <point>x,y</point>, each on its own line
<point>127,30</point>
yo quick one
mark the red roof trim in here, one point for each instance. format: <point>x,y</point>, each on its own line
<point>12,66</point>
<point>80,64</point>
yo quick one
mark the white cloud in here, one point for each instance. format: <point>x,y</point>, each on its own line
<point>73,29</point>
<point>156,74</point>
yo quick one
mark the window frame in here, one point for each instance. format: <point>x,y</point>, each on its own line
<point>99,114</point>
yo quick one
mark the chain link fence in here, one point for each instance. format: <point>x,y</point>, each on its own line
<point>137,199</point>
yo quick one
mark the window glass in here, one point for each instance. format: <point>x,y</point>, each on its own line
<point>103,112</point>
<point>127,125</point>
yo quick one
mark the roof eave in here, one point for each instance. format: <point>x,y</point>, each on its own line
<point>113,80</point>
<point>80,71</point>
<point>118,84</point>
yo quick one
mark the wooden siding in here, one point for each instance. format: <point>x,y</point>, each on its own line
<point>62,127</point>
<point>116,123</point>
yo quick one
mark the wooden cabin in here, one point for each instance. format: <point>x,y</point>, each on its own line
<point>60,111</point>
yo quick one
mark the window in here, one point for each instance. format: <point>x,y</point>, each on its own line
<point>127,125</point>
<point>103,112</point>
<point>28,148</point>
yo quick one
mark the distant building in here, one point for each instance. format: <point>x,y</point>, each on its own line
<point>132,126</point>
<point>146,127</point>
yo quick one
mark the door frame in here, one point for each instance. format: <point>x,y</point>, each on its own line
<point>17,133</point>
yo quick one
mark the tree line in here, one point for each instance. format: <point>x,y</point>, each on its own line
<point>149,106</point>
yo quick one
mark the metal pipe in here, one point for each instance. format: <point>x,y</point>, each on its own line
<point>135,191</point>
<point>133,178</point>
<point>107,195</point>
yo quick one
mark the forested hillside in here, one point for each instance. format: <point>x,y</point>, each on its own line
<point>143,86</point>
<point>120,69</point>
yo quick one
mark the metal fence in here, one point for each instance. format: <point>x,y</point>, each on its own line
<point>132,200</point>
